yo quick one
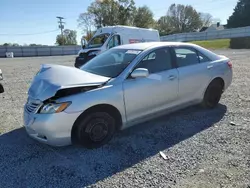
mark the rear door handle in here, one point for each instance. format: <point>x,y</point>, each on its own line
<point>210,66</point>
<point>171,77</point>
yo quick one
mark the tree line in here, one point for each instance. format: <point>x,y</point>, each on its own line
<point>178,19</point>
<point>240,18</point>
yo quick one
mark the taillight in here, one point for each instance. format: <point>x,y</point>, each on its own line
<point>230,64</point>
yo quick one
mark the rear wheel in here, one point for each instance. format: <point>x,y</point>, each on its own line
<point>212,95</point>
<point>95,129</point>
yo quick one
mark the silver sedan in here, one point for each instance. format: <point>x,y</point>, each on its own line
<point>122,87</point>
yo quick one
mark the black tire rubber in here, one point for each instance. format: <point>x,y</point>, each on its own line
<point>84,132</point>
<point>1,88</point>
<point>212,95</point>
<point>77,65</point>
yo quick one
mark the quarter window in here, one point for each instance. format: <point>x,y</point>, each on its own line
<point>157,61</point>
<point>203,58</point>
<point>186,57</point>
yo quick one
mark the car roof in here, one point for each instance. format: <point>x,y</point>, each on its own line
<point>150,45</point>
<point>146,45</point>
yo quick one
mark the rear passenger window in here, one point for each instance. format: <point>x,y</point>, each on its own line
<point>186,57</point>
<point>157,61</point>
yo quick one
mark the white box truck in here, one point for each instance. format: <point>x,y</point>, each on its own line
<point>111,36</point>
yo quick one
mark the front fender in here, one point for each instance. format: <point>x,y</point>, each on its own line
<point>110,94</point>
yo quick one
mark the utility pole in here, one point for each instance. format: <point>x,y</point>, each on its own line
<point>61,26</point>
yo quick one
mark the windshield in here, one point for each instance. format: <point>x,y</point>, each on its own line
<point>111,63</point>
<point>98,41</point>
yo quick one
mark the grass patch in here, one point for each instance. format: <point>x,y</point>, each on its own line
<point>214,44</point>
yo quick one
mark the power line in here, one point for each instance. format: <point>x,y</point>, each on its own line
<point>25,34</point>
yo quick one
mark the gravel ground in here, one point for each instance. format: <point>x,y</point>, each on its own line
<point>203,148</point>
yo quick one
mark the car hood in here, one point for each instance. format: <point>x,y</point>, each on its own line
<point>52,78</point>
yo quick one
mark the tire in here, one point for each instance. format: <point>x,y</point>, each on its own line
<point>77,63</point>
<point>95,129</point>
<point>1,88</point>
<point>212,95</point>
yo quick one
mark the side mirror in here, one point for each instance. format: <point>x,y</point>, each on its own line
<point>140,73</point>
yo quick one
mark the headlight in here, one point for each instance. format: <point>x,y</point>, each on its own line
<point>51,108</point>
<point>94,53</point>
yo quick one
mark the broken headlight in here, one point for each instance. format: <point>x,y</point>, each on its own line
<point>51,108</point>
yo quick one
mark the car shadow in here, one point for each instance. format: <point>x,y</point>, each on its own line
<point>27,163</point>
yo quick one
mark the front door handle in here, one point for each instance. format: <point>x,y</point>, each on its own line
<point>171,77</point>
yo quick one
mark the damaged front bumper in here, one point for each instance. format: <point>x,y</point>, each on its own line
<point>52,129</point>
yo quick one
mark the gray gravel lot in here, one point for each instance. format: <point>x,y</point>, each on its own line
<point>203,149</point>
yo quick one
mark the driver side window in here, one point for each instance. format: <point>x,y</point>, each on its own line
<point>114,41</point>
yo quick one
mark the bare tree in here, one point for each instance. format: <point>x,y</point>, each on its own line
<point>106,12</point>
<point>126,12</point>
<point>184,18</point>
<point>164,26</point>
<point>68,38</point>
<point>112,12</point>
<point>206,19</point>
<point>86,23</point>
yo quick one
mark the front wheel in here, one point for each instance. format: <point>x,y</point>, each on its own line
<point>1,88</point>
<point>95,130</point>
<point>212,95</point>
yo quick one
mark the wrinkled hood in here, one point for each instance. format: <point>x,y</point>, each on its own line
<point>52,78</point>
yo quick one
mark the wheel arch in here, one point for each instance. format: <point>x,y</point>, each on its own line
<point>215,79</point>
<point>220,80</point>
<point>112,110</point>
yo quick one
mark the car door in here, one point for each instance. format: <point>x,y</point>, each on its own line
<point>145,96</point>
<point>193,72</point>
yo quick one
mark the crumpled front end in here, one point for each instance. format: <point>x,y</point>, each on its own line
<point>52,78</point>
<point>51,129</point>
<point>44,117</point>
